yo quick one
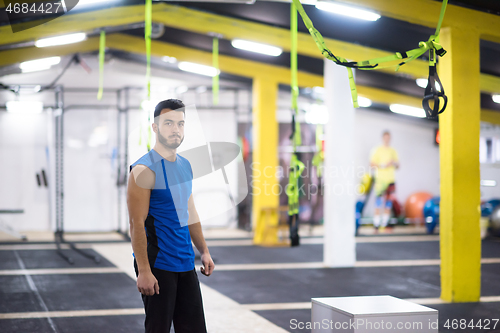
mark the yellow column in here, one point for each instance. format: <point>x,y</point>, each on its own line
<point>265,186</point>
<point>460,241</point>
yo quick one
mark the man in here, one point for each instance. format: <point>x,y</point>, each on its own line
<point>163,221</point>
<point>386,160</point>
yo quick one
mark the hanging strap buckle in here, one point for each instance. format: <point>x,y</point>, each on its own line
<point>434,95</point>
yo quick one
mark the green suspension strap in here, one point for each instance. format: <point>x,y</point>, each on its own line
<point>215,64</point>
<point>292,190</point>
<point>102,50</point>
<point>296,166</point>
<point>319,157</point>
<point>148,143</point>
<point>401,58</point>
<point>147,36</point>
<point>296,135</point>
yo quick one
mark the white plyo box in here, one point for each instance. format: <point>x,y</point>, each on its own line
<point>371,314</point>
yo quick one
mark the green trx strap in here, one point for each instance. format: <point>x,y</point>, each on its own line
<point>296,136</point>
<point>292,190</point>
<point>147,36</point>
<point>102,50</point>
<point>434,90</point>
<point>148,143</point>
<point>400,58</point>
<point>319,157</point>
<point>296,166</point>
<point>215,64</point>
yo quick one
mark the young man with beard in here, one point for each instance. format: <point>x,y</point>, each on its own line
<point>163,222</point>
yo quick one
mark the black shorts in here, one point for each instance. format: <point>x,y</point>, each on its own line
<point>179,301</point>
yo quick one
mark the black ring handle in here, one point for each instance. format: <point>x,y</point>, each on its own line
<point>432,93</point>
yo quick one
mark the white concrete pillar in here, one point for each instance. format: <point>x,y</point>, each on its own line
<point>339,249</point>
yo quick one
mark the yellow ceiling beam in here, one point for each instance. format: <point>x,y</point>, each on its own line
<point>389,97</point>
<point>70,23</point>
<point>14,56</point>
<point>227,64</point>
<point>489,84</point>
<point>426,13</point>
<point>204,23</point>
<point>490,116</point>
<point>230,28</point>
<point>230,65</point>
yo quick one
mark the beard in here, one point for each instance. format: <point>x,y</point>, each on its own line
<point>164,142</point>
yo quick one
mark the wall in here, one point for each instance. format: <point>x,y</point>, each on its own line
<point>491,170</point>
<point>413,140</point>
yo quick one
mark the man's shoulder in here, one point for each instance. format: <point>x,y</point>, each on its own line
<point>147,160</point>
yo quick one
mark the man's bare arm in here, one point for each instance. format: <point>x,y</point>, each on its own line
<point>141,181</point>
<point>198,239</point>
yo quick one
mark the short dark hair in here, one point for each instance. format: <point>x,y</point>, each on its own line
<point>386,132</point>
<point>172,104</point>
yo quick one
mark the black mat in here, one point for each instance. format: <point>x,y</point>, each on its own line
<point>289,320</point>
<point>104,324</point>
<point>38,325</point>
<point>35,259</point>
<point>16,295</point>
<point>314,252</point>
<point>65,292</point>
<point>300,285</point>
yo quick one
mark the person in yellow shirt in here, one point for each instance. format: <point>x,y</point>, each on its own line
<point>385,160</point>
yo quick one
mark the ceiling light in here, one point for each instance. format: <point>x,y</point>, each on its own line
<point>37,88</point>
<point>422,83</point>
<point>317,114</point>
<point>496,98</point>
<point>489,183</point>
<point>256,47</point>
<point>347,11</point>
<point>39,64</point>
<point>198,69</point>
<point>407,110</point>
<point>364,102</point>
<point>24,106</point>
<point>170,60</point>
<point>61,40</point>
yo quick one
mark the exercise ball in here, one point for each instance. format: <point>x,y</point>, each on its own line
<point>414,206</point>
<point>487,207</point>
<point>495,222</point>
<point>359,211</point>
<point>431,214</point>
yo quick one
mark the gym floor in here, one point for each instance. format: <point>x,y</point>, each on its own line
<point>253,289</point>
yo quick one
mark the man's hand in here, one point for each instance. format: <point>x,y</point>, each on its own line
<point>208,264</point>
<point>147,284</point>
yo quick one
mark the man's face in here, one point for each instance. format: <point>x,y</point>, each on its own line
<point>170,128</point>
<point>386,138</point>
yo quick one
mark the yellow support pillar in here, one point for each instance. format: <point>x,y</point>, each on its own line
<point>265,186</point>
<point>460,241</point>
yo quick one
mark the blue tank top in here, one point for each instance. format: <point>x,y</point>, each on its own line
<point>167,231</point>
